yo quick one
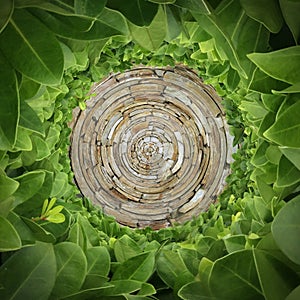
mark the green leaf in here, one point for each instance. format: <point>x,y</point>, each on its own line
<point>294,295</point>
<point>259,158</point>
<point>290,9</point>
<point>98,267</point>
<point>40,147</point>
<point>282,281</point>
<point>195,291</point>
<point>52,5</point>
<point>265,11</point>
<point>35,268</point>
<point>6,10</point>
<point>52,137</point>
<point>44,57</point>
<point>109,23</point>
<point>198,6</point>
<point>265,190</point>
<point>273,154</point>
<point>287,174</point>
<point>163,1</point>
<point>56,218</point>
<point>139,267</point>
<point>286,129</point>
<point>191,259</point>
<point>263,83</point>
<point>9,238</point>
<point>283,64</point>
<point>285,229</point>
<point>7,186</point>
<point>125,248</point>
<point>205,244</point>
<point>89,7</point>
<point>152,36</point>
<point>292,154</point>
<point>235,243</point>
<point>147,289</point>
<point>10,105</point>
<point>22,229</point>
<point>71,269</point>
<point>69,57</point>
<point>90,233</point>
<point>169,267</point>
<point>76,235</point>
<point>59,185</point>
<point>39,232</point>
<point>29,119</point>
<point>23,141</point>
<point>114,288</point>
<point>239,277</point>
<point>295,88</point>
<point>213,25</point>
<point>30,183</point>
<point>139,12</point>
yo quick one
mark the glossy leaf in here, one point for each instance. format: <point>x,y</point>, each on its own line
<point>59,185</point>
<point>263,83</point>
<point>292,154</point>
<point>89,7</point>
<point>239,277</point>
<point>98,267</point>
<point>286,130</point>
<point>163,1</point>
<point>282,64</point>
<point>287,174</point>
<point>191,259</point>
<point>139,12</point>
<point>294,295</point>
<point>29,119</point>
<point>217,26</point>
<point>198,6</point>
<point>282,281</point>
<point>194,291</point>
<point>71,269</point>
<point>7,186</point>
<point>125,248</point>
<point>9,238</point>
<point>40,147</point>
<point>285,229</point>
<point>290,11</point>
<point>152,36</point>
<point>235,243</point>
<point>265,11</point>
<point>246,274</point>
<point>10,107</point>
<point>108,23</point>
<point>35,278</point>
<point>169,266</point>
<point>139,267</point>
<point>23,141</point>
<point>39,233</point>
<point>44,57</point>
<point>113,288</point>
<point>6,10</point>
<point>49,5</point>
<point>30,183</point>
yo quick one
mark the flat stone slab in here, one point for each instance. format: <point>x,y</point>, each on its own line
<point>151,146</point>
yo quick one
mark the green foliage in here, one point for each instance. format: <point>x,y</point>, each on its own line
<point>245,246</point>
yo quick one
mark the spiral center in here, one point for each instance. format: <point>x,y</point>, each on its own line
<point>152,147</point>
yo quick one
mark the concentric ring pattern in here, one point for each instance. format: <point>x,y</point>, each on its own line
<point>152,147</point>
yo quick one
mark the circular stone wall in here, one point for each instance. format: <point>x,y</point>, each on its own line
<point>152,146</point>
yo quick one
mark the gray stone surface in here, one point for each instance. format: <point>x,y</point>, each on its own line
<point>152,147</point>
